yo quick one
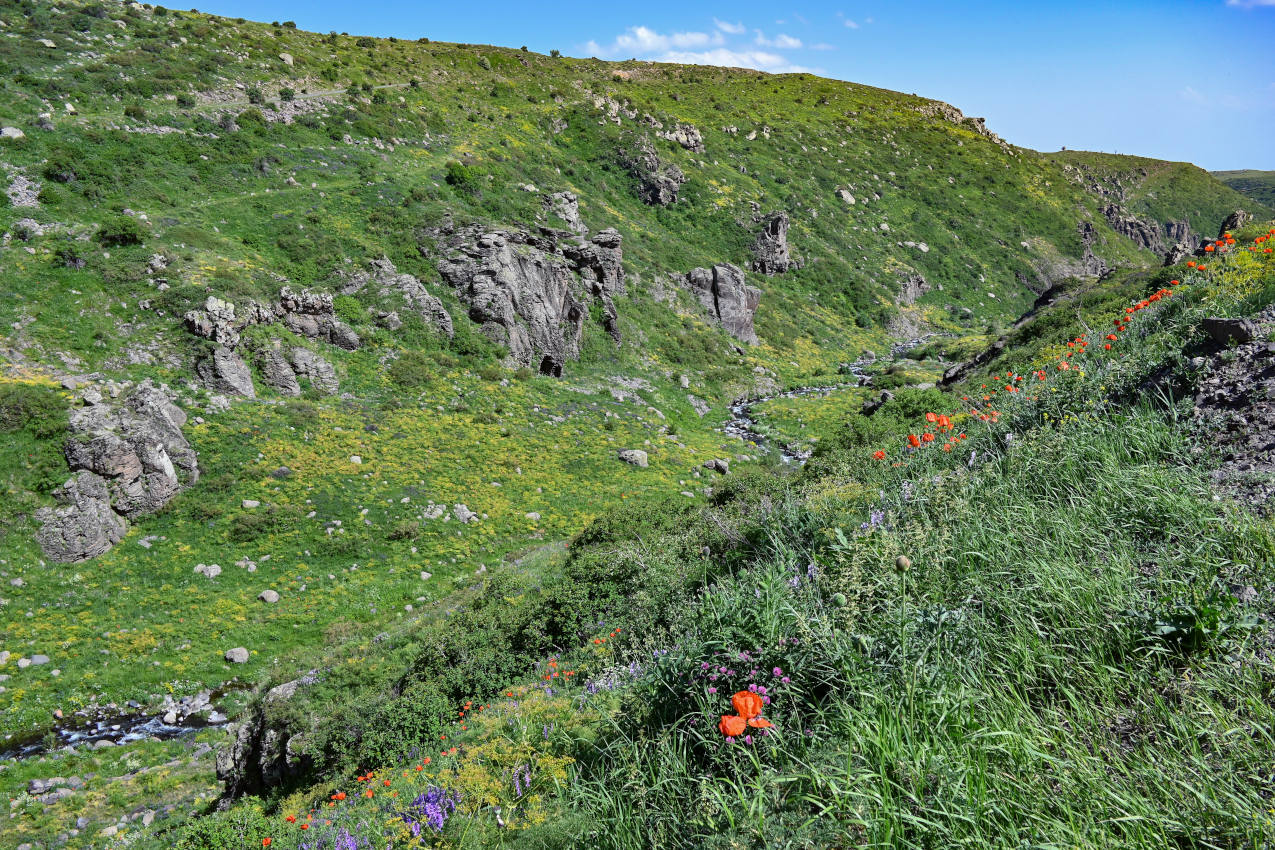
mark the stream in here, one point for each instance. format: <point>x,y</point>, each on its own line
<point>115,726</point>
<point>743,424</point>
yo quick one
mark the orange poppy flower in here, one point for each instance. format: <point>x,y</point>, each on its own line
<point>759,723</point>
<point>747,703</point>
<point>878,455</point>
<point>914,440</point>
<point>732,725</point>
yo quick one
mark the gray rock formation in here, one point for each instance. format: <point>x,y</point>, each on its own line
<point>528,293</point>
<point>128,460</point>
<point>277,372</point>
<point>224,371</point>
<point>216,321</point>
<point>637,457</point>
<point>1142,232</point>
<point>1230,331</point>
<point>263,751</point>
<point>770,250</point>
<point>911,287</point>
<point>238,655</point>
<point>658,183</point>
<point>314,368</point>
<point>1178,252</point>
<point>83,526</point>
<point>1234,221</point>
<point>387,279</point>
<point>728,299</point>
<point>686,135</point>
<point>567,207</point>
<point>310,314</point>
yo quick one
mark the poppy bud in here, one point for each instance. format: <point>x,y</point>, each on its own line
<point>903,563</point>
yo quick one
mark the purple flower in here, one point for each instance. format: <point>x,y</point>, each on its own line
<point>785,680</point>
<point>712,690</point>
<point>748,739</point>
<point>777,672</point>
<point>432,808</point>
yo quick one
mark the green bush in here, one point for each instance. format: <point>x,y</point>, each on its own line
<point>287,95</point>
<point>412,370</point>
<point>241,828</point>
<point>255,95</point>
<point>134,110</point>
<point>36,408</point>
<point>121,231</point>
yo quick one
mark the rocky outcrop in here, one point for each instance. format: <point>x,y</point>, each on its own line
<point>567,207</point>
<point>728,299</point>
<point>636,457</point>
<point>310,314</point>
<point>319,372</point>
<point>263,752</point>
<point>277,372</point>
<point>939,109</point>
<point>960,371</point>
<point>686,135</point>
<point>911,287</point>
<point>658,182</point>
<point>129,460</point>
<point>1142,232</point>
<point>770,249</point>
<point>1178,252</point>
<point>1234,221</point>
<point>388,281</point>
<point>1234,412</point>
<point>83,526</point>
<point>528,293</point>
<point>224,371</point>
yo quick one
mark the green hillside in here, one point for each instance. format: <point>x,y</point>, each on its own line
<point>1258,185</point>
<point>380,368</point>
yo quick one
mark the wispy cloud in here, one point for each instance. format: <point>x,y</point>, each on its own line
<point>725,44</point>
<point>781,41</point>
<point>851,24</point>
<point>640,41</point>
<point>1250,4</point>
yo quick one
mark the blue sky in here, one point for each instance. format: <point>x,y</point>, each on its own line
<point>1176,79</point>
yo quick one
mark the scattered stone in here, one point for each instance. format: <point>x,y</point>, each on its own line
<point>719,465</point>
<point>208,570</point>
<point>268,596</point>
<point>356,459</point>
<point>38,660</point>
<point>251,503</point>
<point>11,133</point>
<point>238,655</point>
<point>286,58</point>
<point>1229,332</point>
<point>464,514</point>
<point>637,457</point>
<point>534,516</point>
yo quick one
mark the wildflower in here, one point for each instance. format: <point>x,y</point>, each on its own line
<point>913,440</point>
<point>878,455</point>
<point>265,842</point>
<point>732,725</point>
<point>291,818</point>
<point>747,704</point>
<point>305,826</point>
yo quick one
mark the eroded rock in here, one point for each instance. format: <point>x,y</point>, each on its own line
<point>728,299</point>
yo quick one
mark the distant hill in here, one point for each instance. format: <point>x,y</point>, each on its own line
<point>1258,185</point>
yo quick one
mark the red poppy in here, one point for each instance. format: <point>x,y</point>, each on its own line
<point>914,440</point>
<point>878,455</point>
<point>929,438</point>
<point>747,704</point>
<point>759,723</point>
<point>732,725</point>
<point>931,418</point>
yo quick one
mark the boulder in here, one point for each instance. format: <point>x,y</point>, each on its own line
<point>719,465</point>
<point>277,372</point>
<point>238,655</point>
<point>270,597</point>
<point>464,514</point>
<point>84,526</point>
<point>11,134</point>
<point>1230,331</point>
<point>770,249</point>
<point>637,457</point>
<point>319,372</point>
<point>1178,252</point>
<point>523,297</point>
<point>216,321</point>
<point>727,298</point>
<point>224,371</point>
<point>1234,221</point>
<point>566,206</point>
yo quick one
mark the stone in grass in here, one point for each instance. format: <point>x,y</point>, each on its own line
<point>209,570</point>
<point>238,655</point>
<point>251,503</point>
<point>426,576</point>
<point>37,660</point>
<point>269,596</point>
<point>637,457</point>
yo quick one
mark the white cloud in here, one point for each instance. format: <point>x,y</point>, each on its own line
<point>728,27</point>
<point>640,40</point>
<point>1249,4</point>
<point>851,24</point>
<point>781,41</point>
<point>758,60</point>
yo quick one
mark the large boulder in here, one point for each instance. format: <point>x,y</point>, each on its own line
<point>770,249</point>
<point>129,460</point>
<point>224,371</point>
<point>277,372</point>
<point>83,526</point>
<point>319,372</point>
<point>636,457</point>
<point>1234,221</point>
<point>264,750</point>
<point>727,298</point>
<point>524,297</point>
<point>686,135</point>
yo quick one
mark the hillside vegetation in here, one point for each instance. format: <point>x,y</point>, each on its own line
<point>1258,185</point>
<point>392,376</point>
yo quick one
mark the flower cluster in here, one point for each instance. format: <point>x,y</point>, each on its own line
<point>748,707</point>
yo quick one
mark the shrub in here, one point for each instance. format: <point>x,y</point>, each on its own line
<point>287,95</point>
<point>243,826</point>
<point>412,370</point>
<point>459,175</point>
<point>123,230</point>
<point>36,408</point>
<point>134,110</point>
<point>491,373</point>
<point>255,95</point>
<point>185,101</point>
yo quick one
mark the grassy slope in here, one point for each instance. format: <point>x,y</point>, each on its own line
<point>1258,185</point>
<point>221,209</point>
